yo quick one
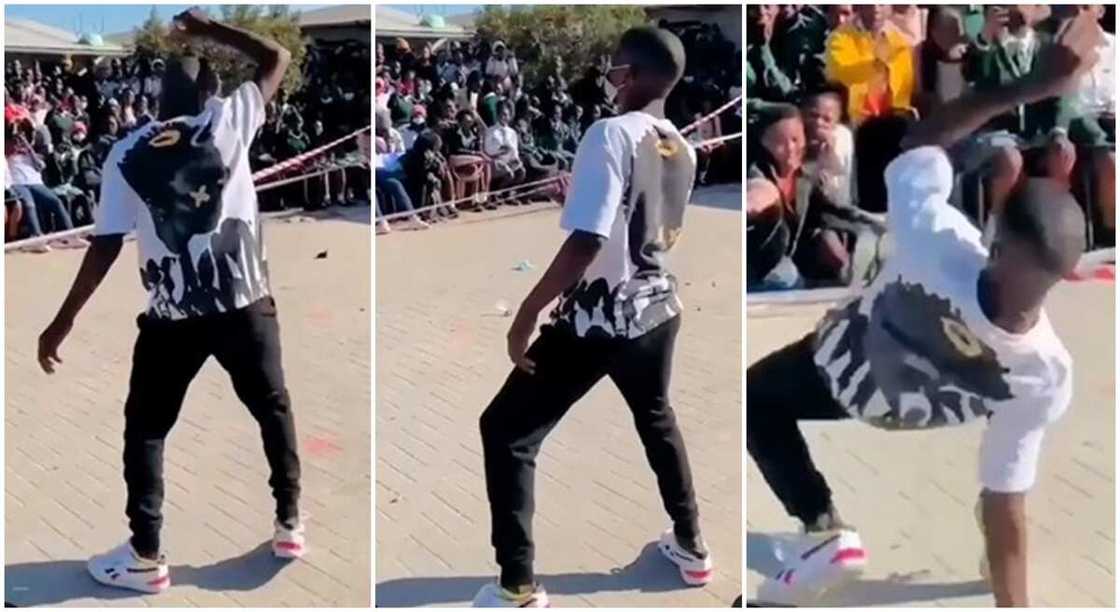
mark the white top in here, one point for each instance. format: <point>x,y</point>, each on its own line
<point>185,186</point>
<point>498,136</point>
<point>22,171</point>
<point>1096,92</point>
<point>915,350</point>
<point>834,169</point>
<point>631,180</point>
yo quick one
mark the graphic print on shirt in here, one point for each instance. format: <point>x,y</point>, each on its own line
<point>912,363</point>
<point>662,169</point>
<point>178,172</point>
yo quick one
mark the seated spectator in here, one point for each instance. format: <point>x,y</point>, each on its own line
<point>428,178</point>
<point>830,149</point>
<point>500,144</point>
<point>392,196</point>
<point>40,206</point>
<point>874,62</point>
<point>555,136</point>
<point>469,167</point>
<point>796,236</point>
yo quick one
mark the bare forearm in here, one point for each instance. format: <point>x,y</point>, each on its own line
<point>576,254</point>
<point>271,58</point>
<point>99,258</point>
<point>1005,532</point>
<point>958,118</point>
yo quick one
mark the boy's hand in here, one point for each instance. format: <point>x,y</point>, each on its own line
<point>49,341</point>
<point>1060,65</point>
<point>192,22</point>
<point>517,341</point>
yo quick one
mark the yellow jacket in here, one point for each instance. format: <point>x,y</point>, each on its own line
<point>850,61</point>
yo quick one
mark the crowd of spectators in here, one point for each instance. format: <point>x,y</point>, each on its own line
<point>460,120</point>
<point>61,120</point>
<point>831,90</point>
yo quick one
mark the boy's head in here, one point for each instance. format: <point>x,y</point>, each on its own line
<point>821,112</point>
<point>647,64</point>
<point>1039,239</point>
<point>187,83</point>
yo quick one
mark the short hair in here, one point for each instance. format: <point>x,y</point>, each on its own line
<point>1043,215</point>
<point>655,50</point>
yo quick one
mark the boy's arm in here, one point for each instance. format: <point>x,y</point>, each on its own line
<point>571,261</point>
<point>271,58</point>
<point>99,258</point>
<point>1005,534</point>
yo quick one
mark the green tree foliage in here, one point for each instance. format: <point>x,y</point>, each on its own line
<point>578,35</point>
<point>273,21</point>
<point>150,38</point>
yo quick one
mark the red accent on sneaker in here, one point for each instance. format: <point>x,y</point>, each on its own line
<point>788,577</point>
<point>700,574</point>
<point>849,554</point>
<point>289,545</point>
<point>161,583</point>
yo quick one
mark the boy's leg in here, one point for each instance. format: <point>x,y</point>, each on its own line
<point>249,349</point>
<point>166,358</point>
<point>641,372</point>
<point>783,388</point>
<point>513,427</point>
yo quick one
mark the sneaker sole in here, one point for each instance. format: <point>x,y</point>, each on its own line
<point>288,553</point>
<point>838,577</point>
<point>154,587</point>
<point>690,577</point>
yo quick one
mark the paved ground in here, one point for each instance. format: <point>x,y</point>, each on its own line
<point>64,495</point>
<point>441,356</point>
<point>911,494</point>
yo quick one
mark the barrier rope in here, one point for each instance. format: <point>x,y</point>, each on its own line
<point>539,184</point>
<point>270,171</point>
<point>299,159</point>
<point>712,115</point>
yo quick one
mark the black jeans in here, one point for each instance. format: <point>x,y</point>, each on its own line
<point>783,388</point>
<point>167,357</point>
<point>528,406</point>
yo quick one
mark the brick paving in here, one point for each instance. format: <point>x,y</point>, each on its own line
<point>64,493</point>
<point>441,357</point>
<point>911,494</point>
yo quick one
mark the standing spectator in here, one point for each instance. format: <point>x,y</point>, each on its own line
<point>874,62</point>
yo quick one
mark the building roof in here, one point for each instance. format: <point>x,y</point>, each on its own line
<point>341,15</point>
<point>26,36</point>
<point>393,22</point>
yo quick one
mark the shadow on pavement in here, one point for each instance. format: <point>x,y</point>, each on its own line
<point>46,583</point>
<point>895,589</point>
<point>649,573</point>
<point>725,196</point>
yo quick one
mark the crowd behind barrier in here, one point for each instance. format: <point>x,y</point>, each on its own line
<point>831,90</point>
<point>61,120</point>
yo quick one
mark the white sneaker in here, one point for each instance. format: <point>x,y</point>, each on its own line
<point>416,223</point>
<point>122,567</point>
<point>826,560</point>
<point>493,595</point>
<point>289,543</point>
<point>695,571</point>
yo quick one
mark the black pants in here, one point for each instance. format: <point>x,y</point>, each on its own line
<point>528,406</point>
<point>167,357</point>
<point>783,388</point>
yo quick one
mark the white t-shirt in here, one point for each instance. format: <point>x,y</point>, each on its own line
<point>631,180</point>
<point>915,350</point>
<point>185,186</point>
<point>498,136</point>
<point>22,170</point>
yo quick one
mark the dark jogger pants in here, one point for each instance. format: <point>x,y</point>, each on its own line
<point>167,357</point>
<point>782,389</point>
<point>528,406</point>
